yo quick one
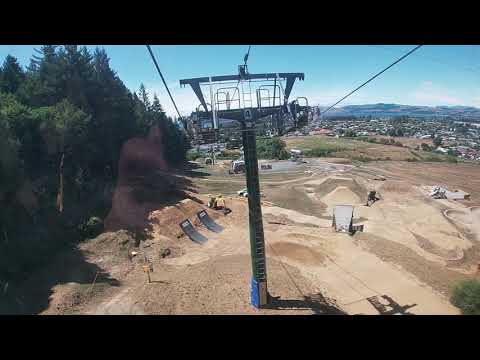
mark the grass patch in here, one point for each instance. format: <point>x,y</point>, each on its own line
<point>320,146</point>
<point>432,157</point>
<point>466,296</point>
<point>229,155</point>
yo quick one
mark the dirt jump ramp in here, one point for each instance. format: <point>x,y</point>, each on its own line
<point>206,220</point>
<point>193,234</point>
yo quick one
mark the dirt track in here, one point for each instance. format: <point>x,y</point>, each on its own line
<point>409,252</point>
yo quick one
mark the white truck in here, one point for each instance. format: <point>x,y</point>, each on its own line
<point>295,154</point>
<point>238,166</point>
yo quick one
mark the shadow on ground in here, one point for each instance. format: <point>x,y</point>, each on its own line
<point>316,303</point>
<point>33,295</point>
<point>391,308</point>
<point>191,169</point>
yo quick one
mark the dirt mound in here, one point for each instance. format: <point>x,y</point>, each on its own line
<point>398,187</point>
<point>164,247</point>
<point>298,253</point>
<point>166,221</point>
<point>469,219</point>
<point>112,247</point>
<point>284,220</point>
<point>462,217</point>
<point>436,275</point>
<point>341,195</point>
<point>121,239</point>
<point>332,183</point>
<point>449,255</point>
<point>295,198</point>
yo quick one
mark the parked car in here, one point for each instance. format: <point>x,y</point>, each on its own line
<point>243,192</point>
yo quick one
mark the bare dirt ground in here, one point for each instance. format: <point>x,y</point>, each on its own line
<point>413,250</point>
<point>455,176</point>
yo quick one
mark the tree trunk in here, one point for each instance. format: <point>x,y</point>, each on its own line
<point>60,190</point>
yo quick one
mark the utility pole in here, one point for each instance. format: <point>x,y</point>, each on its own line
<point>259,291</point>
<point>247,116</point>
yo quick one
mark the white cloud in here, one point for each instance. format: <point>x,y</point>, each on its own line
<point>431,94</point>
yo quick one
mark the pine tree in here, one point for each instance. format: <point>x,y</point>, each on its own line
<point>156,106</point>
<point>77,75</point>
<point>43,78</point>
<point>11,76</point>
<point>143,95</point>
<point>70,105</point>
<point>113,109</point>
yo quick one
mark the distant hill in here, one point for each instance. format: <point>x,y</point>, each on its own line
<point>398,110</point>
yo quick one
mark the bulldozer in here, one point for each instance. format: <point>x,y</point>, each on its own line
<point>373,196</point>
<point>218,203</point>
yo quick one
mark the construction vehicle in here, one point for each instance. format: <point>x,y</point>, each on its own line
<point>295,155</point>
<point>372,197</point>
<point>218,203</point>
<point>238,166</point>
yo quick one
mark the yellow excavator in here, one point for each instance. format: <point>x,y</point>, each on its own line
<point>218,203</point>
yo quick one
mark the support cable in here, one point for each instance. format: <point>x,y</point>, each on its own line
<point>164,82</point>
<point>373,77</point>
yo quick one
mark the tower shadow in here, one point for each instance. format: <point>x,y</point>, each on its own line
<point>316,303</point>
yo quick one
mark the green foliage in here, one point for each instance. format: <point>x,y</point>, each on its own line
<point>451,159</point>
<point>452,152</point>
<point>319,152</point>
<point>437,141</point>
<point>11,75</point>
<point>10,164</point>
<point>272,148</point>
<point>466,296</point>
<point>192,155</point>
<point>71,103</point>
<point>92,227</point>
<point>433,158</point>
<point>362,138</point>
<point>175,142</point>
<point>283,154</point>
<point>425,147</point>
<point>396,131</point>
<point>229,155</point>
<point>461,129</point>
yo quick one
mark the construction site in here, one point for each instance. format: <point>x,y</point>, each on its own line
<point>306,235</point>
<point>298,236</point>
<point>327,251</point>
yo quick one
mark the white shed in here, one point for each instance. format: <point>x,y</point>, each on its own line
<point>343,218</point>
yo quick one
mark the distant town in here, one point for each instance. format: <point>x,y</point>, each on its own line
<point>450,136</point>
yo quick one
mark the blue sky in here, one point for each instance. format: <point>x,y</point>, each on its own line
<point>433,75</point>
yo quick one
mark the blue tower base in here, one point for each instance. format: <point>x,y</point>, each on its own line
<point>258,294</point>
